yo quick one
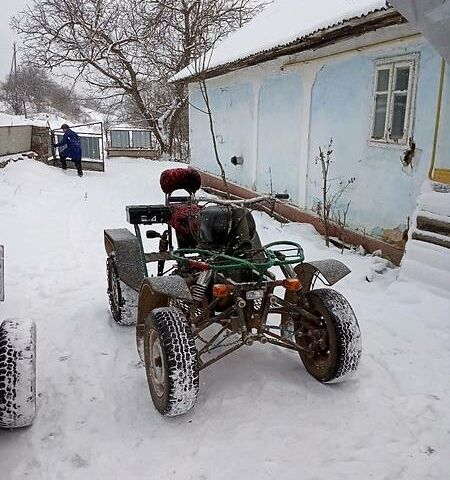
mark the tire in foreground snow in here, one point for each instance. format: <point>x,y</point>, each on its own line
<point>171,361</point>
<point>342,354</point>
<point>17,373</point>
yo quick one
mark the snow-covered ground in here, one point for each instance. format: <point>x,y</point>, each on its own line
<point>259,414</point>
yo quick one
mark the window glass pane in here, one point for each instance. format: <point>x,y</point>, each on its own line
<point>90,147</point>
<point>399,115</point>
<point>402,78</point>
<point>380,116</point>
<point>383,81</point>
<point>141,139</point>
<point>120,139</point>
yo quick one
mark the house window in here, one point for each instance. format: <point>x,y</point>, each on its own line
<point>394,98</point>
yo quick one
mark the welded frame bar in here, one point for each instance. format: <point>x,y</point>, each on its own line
<point>218,357</point>
<point>137,232</point>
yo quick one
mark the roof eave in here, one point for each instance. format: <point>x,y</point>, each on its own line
<point>322,38</point>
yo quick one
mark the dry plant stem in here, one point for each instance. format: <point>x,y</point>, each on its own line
<point>342,222</point>
<point>328,207</point>
<point>205,95</point>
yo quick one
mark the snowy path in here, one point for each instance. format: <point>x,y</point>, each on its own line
<point>259,415</point>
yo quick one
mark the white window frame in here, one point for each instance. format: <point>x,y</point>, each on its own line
<point>392,64</point>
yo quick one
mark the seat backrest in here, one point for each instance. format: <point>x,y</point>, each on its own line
<point>180,179</point>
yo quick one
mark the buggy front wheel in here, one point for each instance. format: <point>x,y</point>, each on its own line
<point>333,349</point>
<point>171,361</point>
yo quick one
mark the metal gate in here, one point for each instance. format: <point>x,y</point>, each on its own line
<point>92,144</point>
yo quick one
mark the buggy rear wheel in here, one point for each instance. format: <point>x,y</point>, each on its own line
<point>171,361</point>
<point>122,298</point>
<point>17,374</point>
<point>335,345</point>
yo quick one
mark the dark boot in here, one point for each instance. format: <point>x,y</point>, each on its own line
<point>79,168</point>
<point>63,163</point>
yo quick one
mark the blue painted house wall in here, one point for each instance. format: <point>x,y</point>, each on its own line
<point>278,134</point>
<point>276,118</point>
<point>443,150</point>
<point>384,193</point>
<point>233,116</point>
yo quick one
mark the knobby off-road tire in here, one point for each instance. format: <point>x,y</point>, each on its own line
<point>171,361</point>
<point>17,373</point>
<point>122,298</point>
<point>342,353</point>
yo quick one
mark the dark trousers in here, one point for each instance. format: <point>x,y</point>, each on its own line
<point>77,162</point>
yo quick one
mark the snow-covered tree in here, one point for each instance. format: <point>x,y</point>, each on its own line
<point>129,49</point>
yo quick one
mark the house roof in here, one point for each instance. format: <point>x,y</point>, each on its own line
<point>432,18</point>
<point>282,24</point>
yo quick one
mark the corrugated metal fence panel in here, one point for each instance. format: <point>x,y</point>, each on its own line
<point>120,139</point>
<point>141,139</point>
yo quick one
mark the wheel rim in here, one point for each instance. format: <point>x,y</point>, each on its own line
<point>156,363</point>
<point>322,360</point>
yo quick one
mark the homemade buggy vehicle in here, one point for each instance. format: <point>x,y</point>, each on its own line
<point>17,368</point>
<point>220,289</point>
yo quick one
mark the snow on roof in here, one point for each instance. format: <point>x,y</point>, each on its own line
<point>283,22</point>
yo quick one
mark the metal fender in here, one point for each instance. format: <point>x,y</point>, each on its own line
<point>155,293</point>
<point>126,249</point>
<point>328,271</point>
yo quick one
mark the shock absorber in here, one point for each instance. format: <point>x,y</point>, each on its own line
<point>199,289</point>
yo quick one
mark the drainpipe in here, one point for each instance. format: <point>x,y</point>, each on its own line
<point>438,120</point>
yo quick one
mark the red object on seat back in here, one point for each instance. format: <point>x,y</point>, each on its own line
<point>180,179</point>
<point>184,219</point>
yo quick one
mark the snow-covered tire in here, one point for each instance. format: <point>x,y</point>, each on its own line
<point>122,298</point>
<point>171,361</point>
<point>342,353</point>
<point>17,374</point>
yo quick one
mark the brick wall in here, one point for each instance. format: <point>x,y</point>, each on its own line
<point>39,142</point>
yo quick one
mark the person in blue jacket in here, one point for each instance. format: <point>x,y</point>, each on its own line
<point>72,150</point>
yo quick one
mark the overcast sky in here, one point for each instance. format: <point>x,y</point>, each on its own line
<point>7,37</point>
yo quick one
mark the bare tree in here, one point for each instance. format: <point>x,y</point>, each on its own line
<point>31,89</point>
<point>129,49</point>
<point>328,207</point>
<point>341,220</point>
